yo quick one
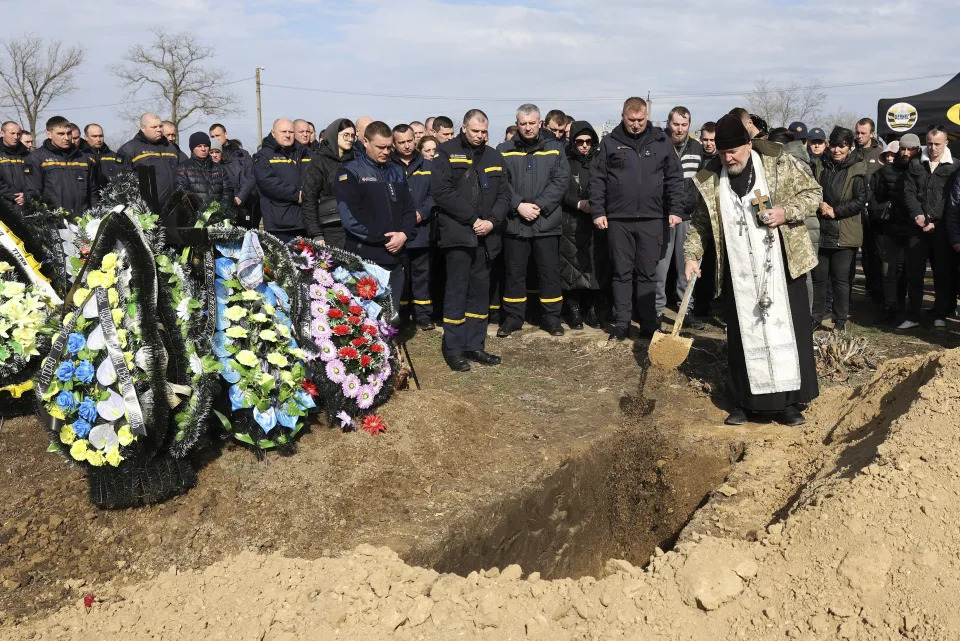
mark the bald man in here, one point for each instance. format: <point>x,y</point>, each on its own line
<point>150,148</point>
<point>303,134</point>
<point>362,123</point>
<point>278,168</point>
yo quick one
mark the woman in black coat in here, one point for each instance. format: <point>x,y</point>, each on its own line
<point>321,216</point>
<point>203,182</point>
<point>582,247</point>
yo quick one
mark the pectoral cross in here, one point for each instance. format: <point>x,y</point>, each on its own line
<point>760,202</point>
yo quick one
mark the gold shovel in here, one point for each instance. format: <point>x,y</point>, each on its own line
<point>668,351</point>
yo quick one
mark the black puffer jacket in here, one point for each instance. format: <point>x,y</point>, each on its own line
<point>845,189</point>
<point>886,204</point>
<point>581,244</point>
<point>205,182</point>
<point>319,204</point>
<point>63,177</point>
<point>239,168</point>
<point>925,193</point>
<point>13,174</point>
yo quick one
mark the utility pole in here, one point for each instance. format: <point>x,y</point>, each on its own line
<point>649,105</point>
<point>259,111</point>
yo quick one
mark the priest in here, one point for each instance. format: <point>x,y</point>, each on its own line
<point>752,201</point>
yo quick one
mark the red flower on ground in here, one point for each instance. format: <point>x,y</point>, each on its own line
<point>343,298</point>
<point>360,341</point>
<point>310,388</point>
<point>88,600</point>
<point>370,329</point>
<point>348,352</point>
<point>341,330</point>
<point>367,287</point>
<point>365,360</point>
<point>355,320</point>
<point>356,310</point>
<point>373,424</point>
<point>335,312</point>
<point>376,348</point>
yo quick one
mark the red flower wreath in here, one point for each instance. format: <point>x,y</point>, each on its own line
<point>367,287</point>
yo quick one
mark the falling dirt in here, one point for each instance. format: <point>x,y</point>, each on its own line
<point>845,528</point>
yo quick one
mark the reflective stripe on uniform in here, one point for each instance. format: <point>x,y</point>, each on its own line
<point>494,307</point>
<point>480,316</point>
<point>422,302</point>
<point>466,160</point>
<point>514,300</point>
<point>454,322</point>
<point>153,154</point>
<point>551,300</point>
<point>489,169</point>
<point>421,173</point>
<point>62,163</point>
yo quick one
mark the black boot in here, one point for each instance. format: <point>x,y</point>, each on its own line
<point>588,307</point>
<point>571,310</point>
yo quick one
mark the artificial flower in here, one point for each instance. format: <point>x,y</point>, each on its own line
<point>310,388</point>
<point>341,330</point>
<point>373,424</point>
<point>365,360</point>
<point>277,359</point>
<point>112,408</point>
<point>125,436</point>
<point>365,397</point>
<point>354,320</point>
<point>328,351</point>
<point>370,330</point>
<point>247,358</point>
<point>80,294</point>
<point>113,297</point>
<point>236,332</point>
<point>250,294</point>
<point>109,261</point>
<point>65,371</point>
<point>113,456</point>
<point>75,342</point>
<point>81,428</point>
<point>348,352</point>
<point>360,341</point>
<point>66,402</point>
<point>356,310</point>
<point>350,386</point>
<point>84,372</point>
<point>259,318</point>
<point>88,408</point>
<point>78,451</point>
<point>335,371</point>
<point>346,421</point>
<point>317,292</point>
<point>268,335</point>
<point>235,312</point>
<point>367,287</point>
<point>323,277</point>
<point>94,458</point>
<point>283,331</point>
<point>266,419</point>
<point>335,312</point>
<point>67,435</point>
<point>376,348</point>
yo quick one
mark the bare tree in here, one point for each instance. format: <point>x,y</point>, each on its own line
<point>838,118</point>
<point>33,73</point>
<point>780,103</point>
<point>173,71</point>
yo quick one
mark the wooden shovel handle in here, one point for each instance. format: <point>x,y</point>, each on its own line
<point>684,304</point>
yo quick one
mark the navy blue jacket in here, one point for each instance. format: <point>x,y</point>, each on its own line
<point>278,172</point>
<point>163,156</point>
<point>469,183</point>
<point>239,167</point>
<point>374,199</point>
<point>539,172</point>
<point>63,177</point>
<point>418,174</point>
<point>14,174</point>
<point>636,178</point>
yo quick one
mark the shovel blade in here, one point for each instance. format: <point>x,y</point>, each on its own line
<point>667,351</point>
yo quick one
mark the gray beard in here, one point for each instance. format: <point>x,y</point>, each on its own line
<point>736,171</point>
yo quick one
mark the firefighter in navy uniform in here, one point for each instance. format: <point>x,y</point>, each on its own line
<point>60,173</point>
<point>417,266</point>
<point>538,172</point>
<point>469,186</point>
<point>376,208</point>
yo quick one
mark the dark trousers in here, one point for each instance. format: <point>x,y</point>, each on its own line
<point>249,216</point>
<point>417,290</point>
<point>516,257</point>
<point>914,247</point>
<point>834,266</point>
<point>871,258</point>
<point>635,249</point>
<point>946,272</point>
<point>496,287</point>
<point>466,300</point>
<point>334,235</point>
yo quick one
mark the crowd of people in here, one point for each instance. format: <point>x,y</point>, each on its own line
<point>551,225</point>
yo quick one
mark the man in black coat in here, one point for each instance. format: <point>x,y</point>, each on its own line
<point>537,168</point>
<point>109,164</point>
<point>278,167</point>
<point>149,148</point>
<point>14,183</point>
<point>469,187</point>
<point>60,173</point>
<point>204,182</point>
<point>924,194</point>
<point>239,166</point>
<point>636,191</point>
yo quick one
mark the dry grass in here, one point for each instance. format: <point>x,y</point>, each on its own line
<point>839,352</point>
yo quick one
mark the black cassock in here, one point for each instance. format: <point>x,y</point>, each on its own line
<point>738,384</point>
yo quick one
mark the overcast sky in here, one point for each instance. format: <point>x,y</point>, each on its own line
<point>584,58</point>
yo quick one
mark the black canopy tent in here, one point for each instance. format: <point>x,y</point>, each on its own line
<point>916,114</point>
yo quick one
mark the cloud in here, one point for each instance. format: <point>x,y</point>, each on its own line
<point>580,57</point>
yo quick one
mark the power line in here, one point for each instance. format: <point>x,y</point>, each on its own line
<point>594,99</point>
<point>129,102</point>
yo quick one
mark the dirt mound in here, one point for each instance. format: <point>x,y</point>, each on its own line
<point>867,548</point>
